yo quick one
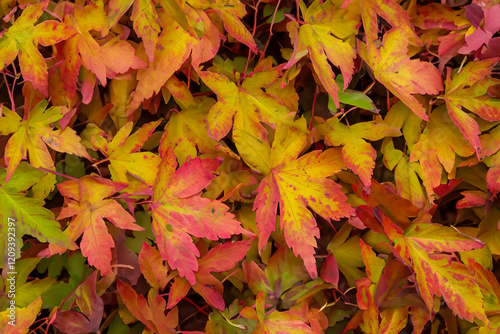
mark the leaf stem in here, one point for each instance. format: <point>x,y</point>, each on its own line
<point>256,9</point>
<point>43,323</point>
<point>388,100</point>
<point>191,315</point>
<point>195,305</point>
<point>57,173</point>
<point>313,106</point>
<point>10,92</point>
<point>118,265</point>
<point>369,87</point>
<point>99,162</point>
<point>53,14</point>
<point>270,31</point>
<point>462,65</point>
<point>229,194</point>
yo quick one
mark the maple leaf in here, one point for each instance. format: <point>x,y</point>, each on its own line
<point>222,257</point>
<point>423,247</point>
<point>234,7</point>
<point>66,55</point>
<point>152,267</point>
<point>124,158</point>
<point>149,24</point>
<point>26,215</point>
<point>437,15</point>
<point>179,212</point>
<point>186,129</point>
<point>393,288</point>
<point>237,29</point>
<point>392,13</point>
<point>443,27</point>
<point>144,18</point>
<point>368,312</point>
<point>493,175</point>
<point>150,312</point>
<point>330,270</point>
<point>358,155</point>
<point>22,39</point>
<point>472,198</point>
<point>209,42</point>
<point>277,321</point>
<point>393,320</point>
<point>406,174</point>
<point>399,262</point>
<point>27,288</point>
<point>489,285</point>
<point>119,96</point>
<point>296,183</point>
<point>374,265</point>
<point>229,12</point>
<point>490,142</point>
<point>126,163</point>
<point>174,47</point>
<point>114,49</point>
<point>367,286</point>
<point>385,202</point>
<point>250,104</point>
<point>410,124</point>
<point>91,309</point>
<point>23,318</point>
<point>433,158</point>
<point>468,89</point>
<point>32,134</point>
<point>274,322</point>
<point>90,17</point>
<point>326,37</point>
<point>483,32</point>
<point>347,253</point>
<point>489,231</point>
<point>233,180</point>
<point>283,272</point>
<point>87,202</point>
<point>401,75</point>
<point>255,278</point>
<point>103,58</point>
<point>115,11</point>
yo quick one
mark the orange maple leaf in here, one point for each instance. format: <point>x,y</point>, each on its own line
<point>88,203</point>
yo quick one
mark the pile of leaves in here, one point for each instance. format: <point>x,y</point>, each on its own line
<point>263,166</point>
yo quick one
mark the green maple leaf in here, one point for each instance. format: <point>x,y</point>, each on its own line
<point>26,215</point>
